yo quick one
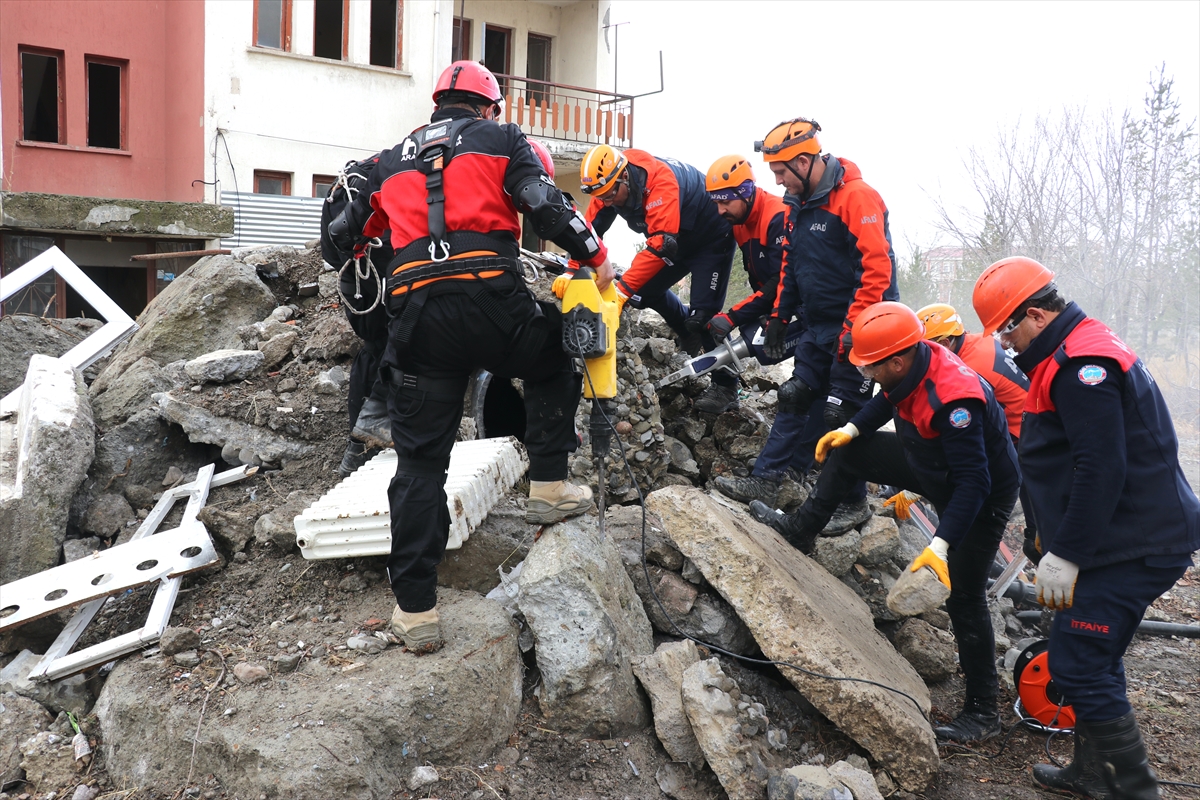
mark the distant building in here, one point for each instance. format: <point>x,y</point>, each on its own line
<point>135,128</point>
<point>943,265</point>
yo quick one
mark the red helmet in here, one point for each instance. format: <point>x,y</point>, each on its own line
<point>470,77</point>
<point>543,153</point>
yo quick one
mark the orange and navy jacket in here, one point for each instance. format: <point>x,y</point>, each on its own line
<point>1099,451</point>
<point>491,163</point>
<point>954,435</point>
<point>762,239</point>
<point>667,200</point>
<point>839,257</point>
<point>985,355</point>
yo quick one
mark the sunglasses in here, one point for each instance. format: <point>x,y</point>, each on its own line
<point>1015,321</point>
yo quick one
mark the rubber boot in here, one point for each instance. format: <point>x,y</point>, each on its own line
<point>419,630</point>
<point>794,528</point>
<point>554,501</point>
<point>846,517</point>
<point>716,399</point>
<point>748,489</point>
<point>977,722</point>
<point>1081,776</point>
<point>373,425</point>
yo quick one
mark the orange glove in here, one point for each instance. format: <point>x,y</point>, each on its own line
<point>559,287</point>
<point>902,502</point>
<point>934,557</point>
<point>836,438</point>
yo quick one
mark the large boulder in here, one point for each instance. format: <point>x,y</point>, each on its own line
<point>588,624</point>
<point>129,393</point>
<point>198,312</point>
<point>733,740</point>
<point>930,650</point>
<point>801,614</point>
<point>455,706</point>
<point>661,675</point>
<point>44,457</point>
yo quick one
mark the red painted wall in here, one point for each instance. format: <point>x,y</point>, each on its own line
<point>163,41</point>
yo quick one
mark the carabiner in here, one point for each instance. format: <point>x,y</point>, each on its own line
<point>433,251</point>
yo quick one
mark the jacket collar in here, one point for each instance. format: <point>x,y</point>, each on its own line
<point>452,113</point>
<point>1050,338</point>
<point>914,377</point>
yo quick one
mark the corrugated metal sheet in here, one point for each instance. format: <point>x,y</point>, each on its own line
<point>262,219</point>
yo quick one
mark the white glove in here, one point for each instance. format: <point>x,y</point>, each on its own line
<point>1056,582</point>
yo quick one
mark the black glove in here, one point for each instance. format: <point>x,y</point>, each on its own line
<point>835,415</point>
<point>1030,546</point>
<point>844,345</point>
<point>776,331</point>
<point>720,327</point>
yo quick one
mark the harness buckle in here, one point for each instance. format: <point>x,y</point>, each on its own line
<point>433,251</point>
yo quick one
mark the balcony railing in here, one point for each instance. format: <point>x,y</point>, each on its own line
<point>568,113</point>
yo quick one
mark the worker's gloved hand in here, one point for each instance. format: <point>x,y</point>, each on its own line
<point>902,502</point>
<point>1032,547</point>
<point>844,346</point>
<point>934,557</point>
<point>604,275</point>
<point>774,332</point>
<point>559,287</point>
<point>720,327</point>
<point>839,438</point>
<point>622,298</point>
<point>1056,582</point>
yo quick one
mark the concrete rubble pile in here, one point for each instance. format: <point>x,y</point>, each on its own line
<point>234,367</point>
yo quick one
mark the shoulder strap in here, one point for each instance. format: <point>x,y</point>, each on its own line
<point>435,149</point>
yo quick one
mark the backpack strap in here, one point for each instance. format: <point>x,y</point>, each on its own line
<point>435,149</point>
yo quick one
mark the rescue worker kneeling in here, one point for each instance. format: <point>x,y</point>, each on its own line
<point>1116,519</point>
<point>952,446</point>
<point>450,194</point>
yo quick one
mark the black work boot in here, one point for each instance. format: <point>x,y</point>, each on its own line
<point>847,516</point>
<point>691,343</point>
<point>373,425</point>
<point>716,399</point>
<point>1110,763</point>
<point>792,527</point>
<point>355,456</point>
<point>748,489</point>
<point>978,721</point>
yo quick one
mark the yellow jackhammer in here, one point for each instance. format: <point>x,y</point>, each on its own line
<point>590,321</point>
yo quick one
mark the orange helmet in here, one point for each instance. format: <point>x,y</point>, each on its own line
<point>600,170</point>
<point>882,330</point>
<point>728,177</point>
<point>940,320</point>
<point>790,139</point>
<point>543,153</point>
<point>1004,286</point>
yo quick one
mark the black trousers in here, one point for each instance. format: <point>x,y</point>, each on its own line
<point>452,339</point>
<point>879,457</point>
<point>364,378</point>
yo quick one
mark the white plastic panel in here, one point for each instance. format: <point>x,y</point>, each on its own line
<point>353,518</point>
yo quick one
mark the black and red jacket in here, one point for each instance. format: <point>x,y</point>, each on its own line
<point>1099,451</point>
<point>987,356</point>
<point>954,435</point>
<point>762,239</point>
<point>491,163</point>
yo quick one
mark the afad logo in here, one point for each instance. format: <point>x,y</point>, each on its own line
<point>654,204</point>
<point>817,226</point>
<point>960,418</point>
<point>1092,374</point>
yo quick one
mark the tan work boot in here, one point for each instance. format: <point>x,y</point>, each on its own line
<point>554,501</point>
<point>419,630</point>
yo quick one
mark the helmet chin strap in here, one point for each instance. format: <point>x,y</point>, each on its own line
<point>804,179</point>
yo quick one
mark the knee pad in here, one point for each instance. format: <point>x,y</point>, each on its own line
<point>835,413</point>
<point>796,397</point>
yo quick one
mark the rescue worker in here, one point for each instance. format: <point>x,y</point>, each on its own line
<point>1116,519</point>
<point>757,218</point>
<point>664,200</point>
<point>951,445</point>
<point>986,356</point>
<point>838,261</point>
<point>450,194</point>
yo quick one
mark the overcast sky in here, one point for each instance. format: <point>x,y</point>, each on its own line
<point>900,88</point>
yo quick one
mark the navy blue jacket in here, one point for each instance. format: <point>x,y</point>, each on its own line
<point>839,257</point>
<point>1098,450</point>
<point>955,437</point>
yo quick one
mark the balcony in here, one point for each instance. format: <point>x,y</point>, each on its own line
<point>567,113</point>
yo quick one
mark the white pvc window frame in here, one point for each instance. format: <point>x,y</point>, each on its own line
<point>118,326</point>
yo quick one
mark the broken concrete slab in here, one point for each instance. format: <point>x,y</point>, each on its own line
<point>130,393</point>
<point>801,614</point>
<point>455,706</point>
<point>931,651</point>
<point>44,457</point>
<point>860,782</point>
<point>661,675</point>
<point>588,624</point>
<point>223,366</point>
<point>61,212</point>
<point>734,750</point>
<point>202,425</point>
<point>503,539</point>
